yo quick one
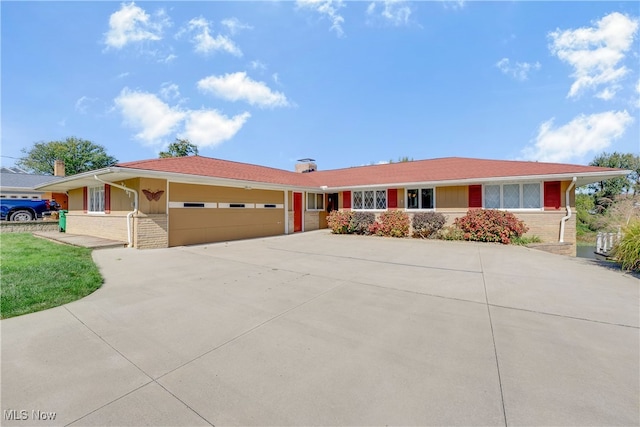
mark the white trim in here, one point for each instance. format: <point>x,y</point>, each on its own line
<point>286,211</point>
<point>269,206</point>
<point>207,205</point>
<point>239,205</point>
<point>406,199</point>
<point>316,194</point>
<point>521,195</point>
<point>375,199</point>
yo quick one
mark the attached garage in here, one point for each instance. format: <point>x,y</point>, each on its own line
<point>207,213</point>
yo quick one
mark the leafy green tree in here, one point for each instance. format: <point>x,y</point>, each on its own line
<point>79,155</point>
<point>180,148</point>
<point>611,188</point>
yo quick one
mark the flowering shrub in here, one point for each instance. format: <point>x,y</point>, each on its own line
<point>338,221</point>
<point>490,225</point>
<point>427,224</point>
<point>392,224</point>
<point>361,221</point>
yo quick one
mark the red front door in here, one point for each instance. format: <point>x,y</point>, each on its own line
<point>297,212</point>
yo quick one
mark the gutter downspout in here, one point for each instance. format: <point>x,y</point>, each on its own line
<point>568,204</point>
<point>130,214</point>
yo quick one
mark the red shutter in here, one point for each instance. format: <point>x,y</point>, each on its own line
<point>552,196</point>
<point>85,199</point>
<point>346,199</point>
<point>107,198</point>
<point>475,196</point>
<point>392,198</point>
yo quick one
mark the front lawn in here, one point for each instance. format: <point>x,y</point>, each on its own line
<point>37,274</point>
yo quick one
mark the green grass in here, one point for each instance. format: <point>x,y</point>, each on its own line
<point>525,240</point>
<point>37,274</point>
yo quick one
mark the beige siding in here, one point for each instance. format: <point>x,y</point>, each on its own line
<point>152,207</point>
<point>452,198</point>
<point>204,225</point>
<point>75,199</point>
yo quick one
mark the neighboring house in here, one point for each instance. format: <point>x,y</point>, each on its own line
<point>17,184</point>
<point>189,200</point>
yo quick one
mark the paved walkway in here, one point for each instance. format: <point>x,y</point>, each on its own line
<point>316,329</point>
<point>80,240</point>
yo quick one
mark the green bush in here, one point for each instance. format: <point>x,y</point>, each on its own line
<point>627,250</point>
<point>361,221</point>
<point>427,224</point>
<point>525,240</point>
<point>393,223</point>
<point>339,221</point>
<point>490,225</point>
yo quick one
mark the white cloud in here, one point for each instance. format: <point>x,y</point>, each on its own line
<point>169,91</point>
<point>258,65</point>
<point>169,58</point>
<point>234,25</point>
<point>149,114</point>
<point>394,12</point>
<point>454,4</point>
<point>83,103</point>
<point>595,52</point>
<point>276,78</point>
<point>155,120</point>
<point>204,42</point>
<point>123,75</point>
<point>519,70</point>
<point>581,136</point>
<point>328,8</point>
<point>239,87</point>
<point>210,128</point>
<point>131,24</point>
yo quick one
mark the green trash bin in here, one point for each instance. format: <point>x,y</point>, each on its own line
<point>62,221</point>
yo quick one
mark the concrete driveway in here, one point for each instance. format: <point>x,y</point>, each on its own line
<point>317,329</point>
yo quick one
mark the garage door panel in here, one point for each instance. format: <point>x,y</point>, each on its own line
<point>200,225</point>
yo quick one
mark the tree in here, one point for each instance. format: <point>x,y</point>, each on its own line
<point>79,155</point>
<point>180,148</point>
<point>606,191</point>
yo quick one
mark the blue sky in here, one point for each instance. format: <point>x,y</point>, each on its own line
<point>345,83</point>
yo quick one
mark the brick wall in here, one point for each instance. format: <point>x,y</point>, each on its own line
<point>151,231</point>
<point>27,226</point>
<point>311,220</point>
<point>109,226</point>
<point>545,225</point>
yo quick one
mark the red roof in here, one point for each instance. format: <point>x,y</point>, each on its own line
<point>432,170</point>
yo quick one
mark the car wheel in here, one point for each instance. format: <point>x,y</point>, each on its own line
<point>21,215</point>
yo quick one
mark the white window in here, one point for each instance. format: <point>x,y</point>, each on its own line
<point>420,198</point>
<point>492,196</point>
<point>531,196</point>
<point>96,199</point>
<point>370,199</point>
<point>512,196</point>
<point>315,201</point>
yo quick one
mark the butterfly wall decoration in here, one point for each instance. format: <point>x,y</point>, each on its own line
<point>150,195</point>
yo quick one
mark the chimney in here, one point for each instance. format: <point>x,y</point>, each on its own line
<point>58,168</point>
<point>306,166</point>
